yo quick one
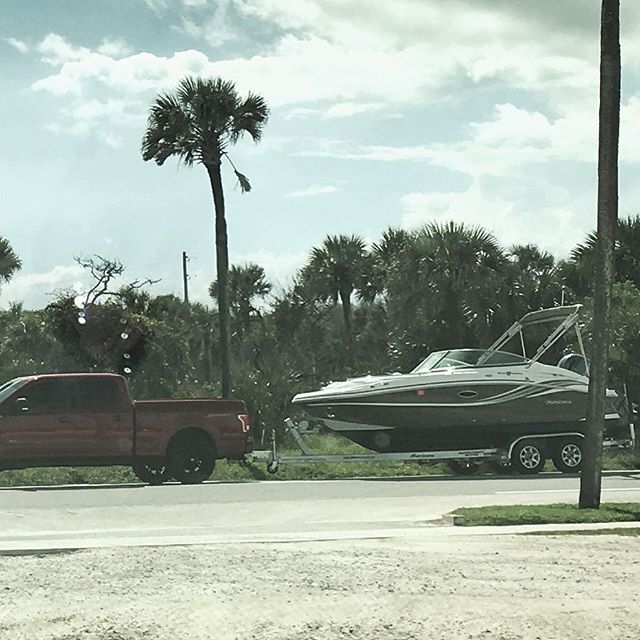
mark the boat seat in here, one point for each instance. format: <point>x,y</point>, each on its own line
<point>576,363</point>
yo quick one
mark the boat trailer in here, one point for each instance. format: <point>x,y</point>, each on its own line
<point>273,458</point>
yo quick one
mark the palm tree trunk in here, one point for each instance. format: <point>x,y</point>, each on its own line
<point>345,299</point>
<point>222,270</point>
<point>609,122</point>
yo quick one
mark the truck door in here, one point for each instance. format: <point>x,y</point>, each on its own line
<point>35,424</point>
<point>102,416</point>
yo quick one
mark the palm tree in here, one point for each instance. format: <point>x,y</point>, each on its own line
<point>609,133</point>
<point>626,253</point>
<point>197,123</point>
<point>386,255</point>
<point>535,279</point>
<point>445,290</point>
<point>10,263</point>
<point>246,284</point>
<point>335,270</point>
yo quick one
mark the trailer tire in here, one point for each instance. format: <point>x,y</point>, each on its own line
<point>154,473</point>
<point>567,456</point>
<point>528,457</point>
<point>191,459</point>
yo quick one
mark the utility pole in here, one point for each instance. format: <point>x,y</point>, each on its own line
<point>185,276</point>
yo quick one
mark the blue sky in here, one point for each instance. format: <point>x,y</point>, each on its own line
<point>389,113</point>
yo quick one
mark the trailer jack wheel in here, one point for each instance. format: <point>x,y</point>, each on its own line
<point>272,467</point>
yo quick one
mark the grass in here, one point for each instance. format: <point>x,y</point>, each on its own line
<point>549,514</point>
<point>233,472</point>
<point>229,471</point>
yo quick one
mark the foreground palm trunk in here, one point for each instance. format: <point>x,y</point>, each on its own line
<point>609,128</point>
<point>222,269</point>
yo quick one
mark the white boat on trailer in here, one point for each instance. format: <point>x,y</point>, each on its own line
<point>503,406</point>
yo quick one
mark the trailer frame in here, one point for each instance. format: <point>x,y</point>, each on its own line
<point>274,460</point>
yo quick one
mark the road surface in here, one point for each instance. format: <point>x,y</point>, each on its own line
<point>137,515</point>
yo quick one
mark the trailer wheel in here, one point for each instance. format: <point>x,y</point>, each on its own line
<point>528,457</point>
<point>191,459</point>
<point>463,467</point>
<point>567,456</point>
<point>154,473</point>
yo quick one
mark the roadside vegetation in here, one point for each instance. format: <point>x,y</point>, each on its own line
<point>351,310</point>
<point>548,514</point>
<point>232,471</point>
<point>441,286</point>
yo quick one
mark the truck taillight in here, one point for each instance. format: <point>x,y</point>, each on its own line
<point>244,419</point>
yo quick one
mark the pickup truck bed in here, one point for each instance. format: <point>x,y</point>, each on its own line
<point>89,419</point>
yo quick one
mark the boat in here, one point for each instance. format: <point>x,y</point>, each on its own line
<point>460,399</point>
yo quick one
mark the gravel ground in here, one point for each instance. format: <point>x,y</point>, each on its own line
<point>463,587</point>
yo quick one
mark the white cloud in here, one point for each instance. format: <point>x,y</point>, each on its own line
<point>279,267</point>
<point>20,45</point>
<point>557,227</point>
<point>313,190</point>
<point>114,48</point>
<point>36,286</point>
<point>57,50</point>
<point>300,112</point>
<point>215,30</point>
<point>348,109</point>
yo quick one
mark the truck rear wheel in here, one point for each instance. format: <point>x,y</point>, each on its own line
<point>151,472</point>
<point>191,459</point>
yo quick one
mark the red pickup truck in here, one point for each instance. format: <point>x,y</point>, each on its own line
<point>90,420</point>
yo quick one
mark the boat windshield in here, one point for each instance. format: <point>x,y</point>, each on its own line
<point>459,358</point>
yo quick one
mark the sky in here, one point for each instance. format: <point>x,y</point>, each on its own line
<point>387,113</point>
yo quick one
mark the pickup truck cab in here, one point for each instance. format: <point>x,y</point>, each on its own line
<point>90,420</point>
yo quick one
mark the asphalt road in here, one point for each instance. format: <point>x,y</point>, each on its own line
<point>135,515</point>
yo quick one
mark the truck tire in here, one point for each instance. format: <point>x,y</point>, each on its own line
<point>154,473</point>
<point>191,459</point>
<point>528,457</point>
<point>567,455</point>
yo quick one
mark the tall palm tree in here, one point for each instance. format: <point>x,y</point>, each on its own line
<point>609,133</point>
<point>335,271</point>
<point>197,123</point>
<point>10,263</point>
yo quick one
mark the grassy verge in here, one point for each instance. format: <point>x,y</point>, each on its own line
<point>232,471</point>
<point>549,514</point>
<point>229,472</point>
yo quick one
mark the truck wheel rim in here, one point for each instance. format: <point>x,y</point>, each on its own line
<point>193,464</point>
<point>571,455</point>
<point>530,456</point>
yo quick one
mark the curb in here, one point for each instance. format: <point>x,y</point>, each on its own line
<point>454,520</point>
